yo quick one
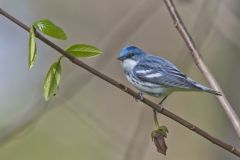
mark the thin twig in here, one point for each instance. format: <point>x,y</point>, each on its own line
<point>155,113</point>
<point>202,66</point>
<point>155,119</point>
<point>208,12</point>
<point>146,101</point>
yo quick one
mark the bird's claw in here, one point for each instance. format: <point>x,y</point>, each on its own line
<point>139,96</point>
<point>161,107</point>
<point>161,103</point>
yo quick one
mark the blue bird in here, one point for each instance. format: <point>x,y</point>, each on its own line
<point>155,75</point>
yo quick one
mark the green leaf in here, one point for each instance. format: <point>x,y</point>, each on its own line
<point>163,130</point>
<point>49,28</point>
<point>83,50</point>
<point>31,48</point>
<point>52,80</point>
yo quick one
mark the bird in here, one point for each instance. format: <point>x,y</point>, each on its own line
<point>155,75</point>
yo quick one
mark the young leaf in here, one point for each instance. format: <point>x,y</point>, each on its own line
<point>159,140</point>
<point>31,48</point>
<point>52,80</point>
<point>83,50</point>
<point>49,28</point>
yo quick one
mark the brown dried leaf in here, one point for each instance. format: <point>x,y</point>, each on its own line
<point>158,136</point>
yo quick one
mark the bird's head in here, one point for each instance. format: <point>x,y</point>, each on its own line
<point>130,56</point>
<point>131,53</point>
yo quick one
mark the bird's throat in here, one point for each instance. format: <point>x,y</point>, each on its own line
<point>129,64</point>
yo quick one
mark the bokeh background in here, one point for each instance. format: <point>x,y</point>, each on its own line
<point>90,119</point>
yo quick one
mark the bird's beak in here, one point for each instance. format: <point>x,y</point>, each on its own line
<point>121,58</point>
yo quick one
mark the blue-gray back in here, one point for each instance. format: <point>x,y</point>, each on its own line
<point>166,73</point>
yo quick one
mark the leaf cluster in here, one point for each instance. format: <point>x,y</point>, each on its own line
<point>53,76</point>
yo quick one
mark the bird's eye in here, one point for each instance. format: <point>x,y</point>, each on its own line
<point>130,55</point>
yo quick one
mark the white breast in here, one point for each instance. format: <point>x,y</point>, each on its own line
<point>128,64</point>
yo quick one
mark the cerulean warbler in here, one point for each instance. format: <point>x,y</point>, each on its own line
<point>155,75</point>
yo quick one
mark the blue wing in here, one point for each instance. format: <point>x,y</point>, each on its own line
<point>159,71</point>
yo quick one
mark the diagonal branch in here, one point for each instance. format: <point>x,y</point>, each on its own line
<point>202,66</point>
<point>129,91</point>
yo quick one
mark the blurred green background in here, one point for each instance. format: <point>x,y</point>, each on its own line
<point>90,119</point>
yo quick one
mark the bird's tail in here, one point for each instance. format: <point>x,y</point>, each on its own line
<point>206,89</point>
<point>209,90</point>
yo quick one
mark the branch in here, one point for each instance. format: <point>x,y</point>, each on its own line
<point>202,66</point>
<point>129,91</point>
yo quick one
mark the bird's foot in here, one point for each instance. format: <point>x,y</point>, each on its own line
<point>161,103</point>
<point>161,106</point>
<point>139,97</point>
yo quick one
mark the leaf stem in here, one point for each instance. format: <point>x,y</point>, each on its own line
<point>155,119</point>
